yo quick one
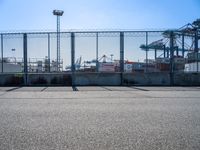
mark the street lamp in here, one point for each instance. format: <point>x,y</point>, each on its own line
<point>58,13</point>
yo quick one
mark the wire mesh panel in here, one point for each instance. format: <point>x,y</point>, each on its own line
<point>65,52</point>
<point>12,53</point>
<point>37,53</point>
<point>180,51</point>
<point>134,55</point>
<point>53,52</point>
<point>191,54</point>
<point>158,49</point>
<point>85,52</point>
<point>109,52</point>
<point>1,52</point>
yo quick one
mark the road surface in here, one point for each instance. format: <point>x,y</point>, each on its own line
<point>99,118</point>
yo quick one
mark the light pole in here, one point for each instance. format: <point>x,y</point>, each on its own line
<point>58,13</point>
<point>111,57</point>
<point>14,58</point>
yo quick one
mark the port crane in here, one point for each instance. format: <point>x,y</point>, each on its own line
<point>181,44</point>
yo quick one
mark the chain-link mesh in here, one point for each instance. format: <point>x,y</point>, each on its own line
<point>100,51</point>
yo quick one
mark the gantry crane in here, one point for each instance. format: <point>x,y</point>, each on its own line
<point>191,31</point>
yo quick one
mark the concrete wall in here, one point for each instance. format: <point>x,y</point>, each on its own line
<point>11,79</point>
<point>187,79</point>
<point>98,79</point>
<point>42,79</point>
<point>49,79</point>
<point>146,79</point>
<point>114,79</point>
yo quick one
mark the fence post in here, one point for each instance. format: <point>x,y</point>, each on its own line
<point>49,61</point>
<point>155,55</point>
<point>167,53</point>
<point>146,68</point>
<point>97,52</point>
<point>25,58</point>
<point>73,58</point>
<point>196,45</point>
<point>122,56</point>
<point>164,50</point>
<point>183,45</point>
<point>1,53</point>
<point>171,58</point>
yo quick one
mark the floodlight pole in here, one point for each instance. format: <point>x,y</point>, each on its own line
<point>58,43</point>
<point>58,13</point>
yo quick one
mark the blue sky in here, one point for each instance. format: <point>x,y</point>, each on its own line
<point>30,15</point>
<point>97,14</point>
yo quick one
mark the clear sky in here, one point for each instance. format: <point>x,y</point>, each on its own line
<point>97,14</point>
<point>30,15</point>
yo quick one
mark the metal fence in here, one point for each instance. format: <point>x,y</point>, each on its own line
<point>108,51</point>
<point>100,51</point>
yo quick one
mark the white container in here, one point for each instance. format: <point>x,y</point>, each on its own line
<point>192,67</point>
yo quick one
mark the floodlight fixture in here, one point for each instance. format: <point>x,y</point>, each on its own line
<point>58,12</point>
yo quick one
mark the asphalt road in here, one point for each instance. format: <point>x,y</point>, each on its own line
<point>102,118</point>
